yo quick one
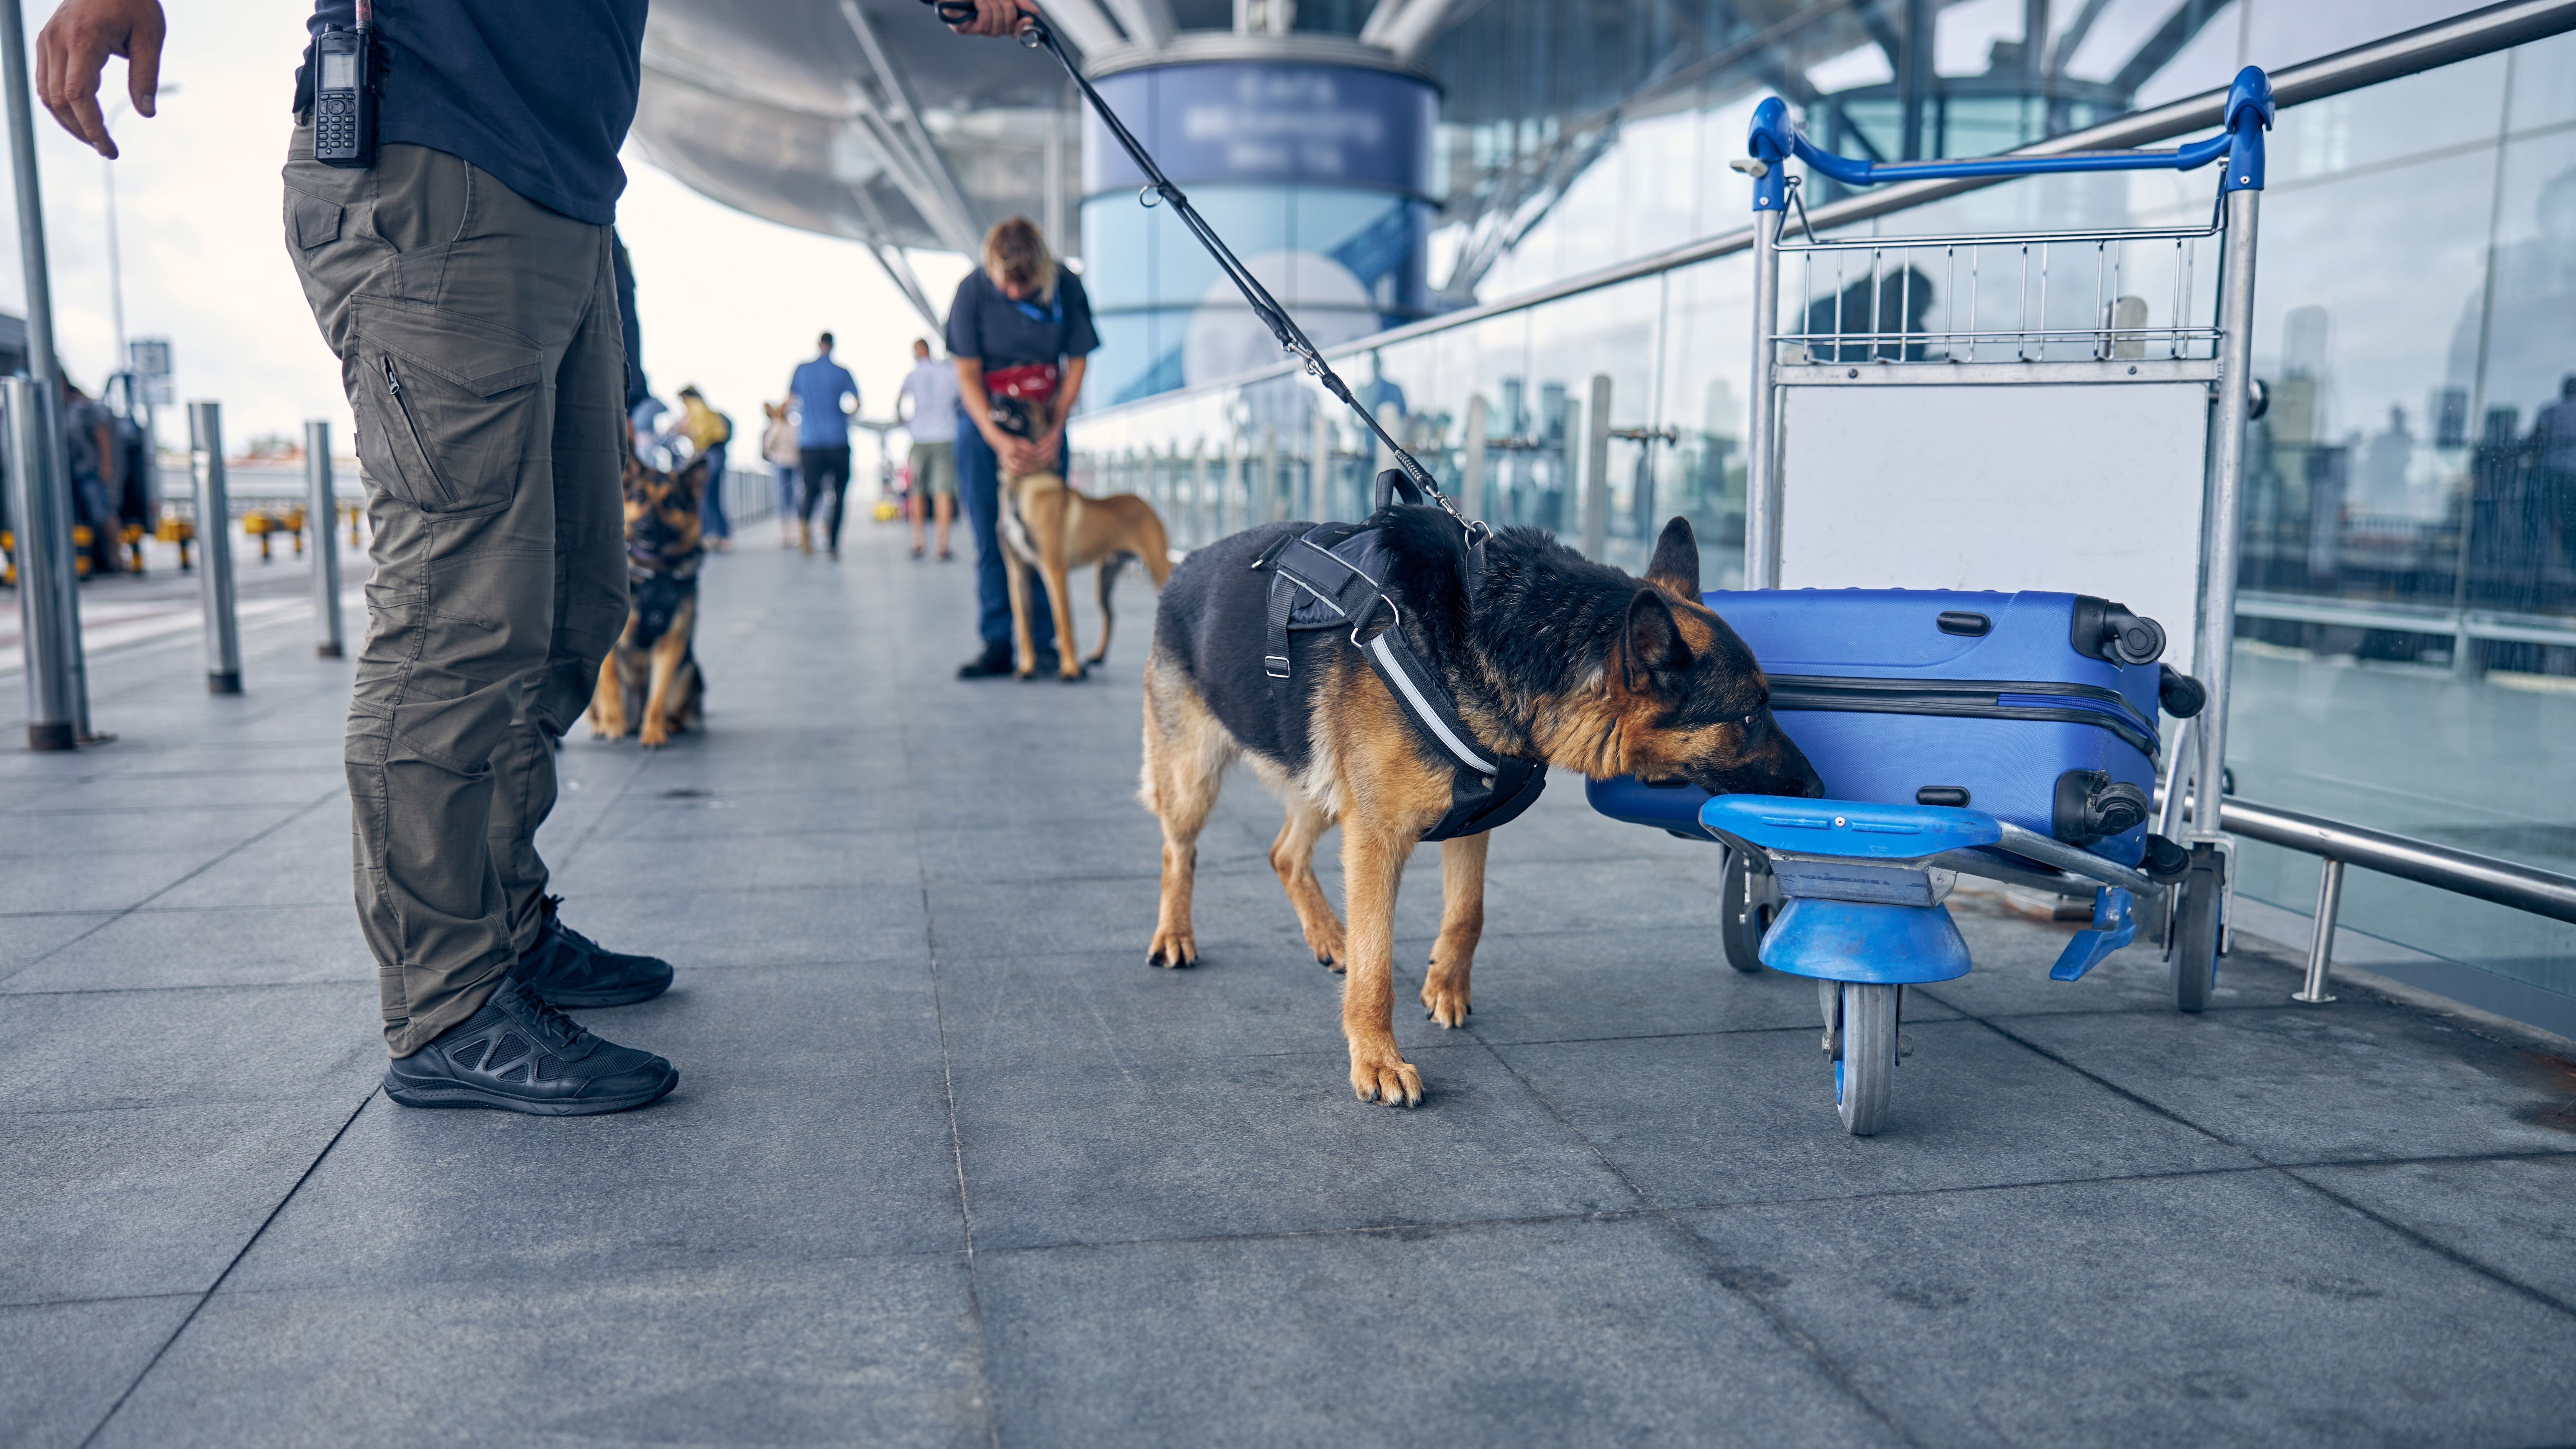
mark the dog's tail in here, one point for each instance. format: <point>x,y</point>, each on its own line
<point>1154,547</point>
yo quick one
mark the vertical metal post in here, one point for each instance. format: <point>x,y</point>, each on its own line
<point>1569,480</point>
<point>52,474</point>
<point>2321,950</point>
<point>1762,431</point>
<point>1319,477</point>
<point>321,508</point>
<point>214,546</point>
<point>1596,473</point>
<point>1275,498</point>
<point>35,510</point>
<point>1471,470</point>
<point>2214,651</point>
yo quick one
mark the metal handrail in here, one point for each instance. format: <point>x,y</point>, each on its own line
<point>2443,42</point>
<point>2461,872</point>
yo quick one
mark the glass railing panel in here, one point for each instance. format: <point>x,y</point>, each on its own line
<point>1706,366</point>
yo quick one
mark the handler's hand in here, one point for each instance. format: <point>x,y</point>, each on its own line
<point>996,17</point>
<point>72,51</point>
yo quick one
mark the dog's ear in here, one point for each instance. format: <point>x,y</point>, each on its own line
<point>1653,645</point>
<point>694,476</point>
<point>1676,561</point>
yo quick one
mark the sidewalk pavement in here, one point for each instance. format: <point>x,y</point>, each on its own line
<point>950,1165</point>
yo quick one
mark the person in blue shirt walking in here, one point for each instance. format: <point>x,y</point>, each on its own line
<point>822,440</point>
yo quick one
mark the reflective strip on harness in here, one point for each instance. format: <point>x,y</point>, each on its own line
<point>1391,667</point>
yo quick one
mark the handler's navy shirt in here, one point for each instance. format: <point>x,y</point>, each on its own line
<point>985,323</point>
<point>537,92</point>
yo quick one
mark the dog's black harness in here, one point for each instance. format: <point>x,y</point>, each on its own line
<point>1330,577</point>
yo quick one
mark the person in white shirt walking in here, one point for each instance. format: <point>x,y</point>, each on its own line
<point>931,389</point>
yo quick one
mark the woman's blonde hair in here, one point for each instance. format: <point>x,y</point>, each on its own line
<point>1016,251</point>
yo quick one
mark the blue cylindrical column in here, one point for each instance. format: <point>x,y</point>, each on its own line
<point>1312,160</point>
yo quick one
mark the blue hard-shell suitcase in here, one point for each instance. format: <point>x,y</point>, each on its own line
<point>2037,708</point>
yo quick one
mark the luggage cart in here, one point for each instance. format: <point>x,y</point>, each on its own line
<point>1849,892</point>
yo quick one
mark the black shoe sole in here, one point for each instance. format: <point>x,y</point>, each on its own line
<point>594,1000</point>
<point>457,1094</point>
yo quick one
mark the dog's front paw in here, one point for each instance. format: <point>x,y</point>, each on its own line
<point>656,733</point>
<point>1174,949</point>
<point>1444,996</point>
<point>1379,1075</point>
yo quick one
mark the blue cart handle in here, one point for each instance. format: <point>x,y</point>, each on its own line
<point>2249,111</point>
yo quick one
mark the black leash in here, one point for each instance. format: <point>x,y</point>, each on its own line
<point>1159,188</point>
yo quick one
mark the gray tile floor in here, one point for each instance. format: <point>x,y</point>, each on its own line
<point>950,1164</point>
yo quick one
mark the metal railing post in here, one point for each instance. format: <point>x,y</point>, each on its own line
<point>1471,467</point>
<point>321,508</point>
<point>1762,434</point>
<point>37,510</point>
<point>1596,472</point>
<point>214,547</point>
<point>2321,950</point>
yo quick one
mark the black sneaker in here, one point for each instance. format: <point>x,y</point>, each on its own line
<point>993,663</point>
<point>518,1054</point>
<point>574,972</point>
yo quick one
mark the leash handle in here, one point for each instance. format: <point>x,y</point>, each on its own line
<point>1159,189</point>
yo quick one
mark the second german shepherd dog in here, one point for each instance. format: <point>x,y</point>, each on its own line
<point>1555,658</point>
<point>1049,527</point>
<point>649,682</point>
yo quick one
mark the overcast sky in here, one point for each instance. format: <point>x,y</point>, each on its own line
<point>726,301</point>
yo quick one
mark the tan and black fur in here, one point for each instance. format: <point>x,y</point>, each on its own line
<point>1558,658</point>
<point>649,683</point>
<point>1054,529</point>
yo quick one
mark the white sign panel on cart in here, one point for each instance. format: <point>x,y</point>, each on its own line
<point>2080,488</point>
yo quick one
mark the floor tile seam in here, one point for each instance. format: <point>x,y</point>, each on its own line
<point>7,1306</point>
<point>1347,1230</point>
<point>956,1133</point>
<point>2439,1249</point>
<point>236,1261</point>
<point>1724,1273</point>
<point>589,1274</point>
<point>336,791</point>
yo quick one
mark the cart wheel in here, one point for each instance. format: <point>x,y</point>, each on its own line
<point>1746,889</point>
<point>2192,935</point>
<point>1865,1061</point>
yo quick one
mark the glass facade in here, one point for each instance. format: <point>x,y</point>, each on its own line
<point>2407,645</point>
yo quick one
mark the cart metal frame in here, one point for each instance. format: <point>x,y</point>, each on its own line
<point>2026,348</point>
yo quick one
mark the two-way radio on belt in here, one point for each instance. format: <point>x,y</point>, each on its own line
<point>1158,189</point>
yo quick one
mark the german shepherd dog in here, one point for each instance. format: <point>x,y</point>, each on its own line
<point>651,676</point>
<point>1556,658</point>
<point>1049,527</point>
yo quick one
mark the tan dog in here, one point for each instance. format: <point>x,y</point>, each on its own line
<point>1556,658</point>
<point>652,673</point>
<point>1053,529</point>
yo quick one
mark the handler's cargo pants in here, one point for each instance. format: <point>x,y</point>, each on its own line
<point>478,340</point>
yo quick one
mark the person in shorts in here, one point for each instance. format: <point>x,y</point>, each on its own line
<point>931,389</point>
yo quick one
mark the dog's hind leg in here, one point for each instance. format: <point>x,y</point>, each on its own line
<point>1109,570</point>
<point>1293,856</point>
<point>1462,923</point>
<point>1186,752</point>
